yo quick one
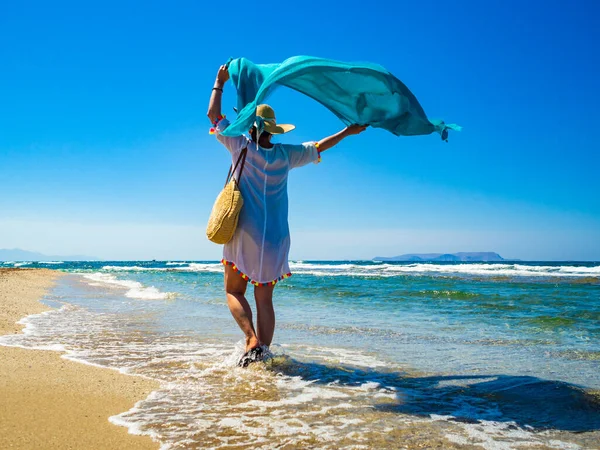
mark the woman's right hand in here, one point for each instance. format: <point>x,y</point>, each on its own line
<point>222,75</point>
<point>355,129</point>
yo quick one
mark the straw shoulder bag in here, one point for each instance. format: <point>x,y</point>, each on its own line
<point>226,210</point>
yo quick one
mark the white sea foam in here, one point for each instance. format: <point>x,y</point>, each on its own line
<point>496,270</point>
<point>381,269</point>
<point>133,269</point>
<point>30,331</point>
<point>337,355</point>
<point>134,289</point>
<point>492,435</point>
<point>185,267</point>
<point>390,270</point>
<point>22,263</point>
<point>51,262</point>
<point>369,385</point>
<point>203,267</point>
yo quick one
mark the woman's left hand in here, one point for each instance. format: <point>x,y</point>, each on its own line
<point>222,75</point>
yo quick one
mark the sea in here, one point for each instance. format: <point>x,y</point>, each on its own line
<point>366,354</point>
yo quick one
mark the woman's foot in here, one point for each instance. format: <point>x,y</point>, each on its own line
<point>252,343</point>
<point>251,356</point>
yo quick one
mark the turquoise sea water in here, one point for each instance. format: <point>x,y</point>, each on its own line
<point>366,354</point>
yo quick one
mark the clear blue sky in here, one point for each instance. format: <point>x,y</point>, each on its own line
<point>105,151</point>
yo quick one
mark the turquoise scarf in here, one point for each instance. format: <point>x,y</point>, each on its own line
<point>363,93</point>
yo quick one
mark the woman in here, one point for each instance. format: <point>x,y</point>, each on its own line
<point>258,251</point>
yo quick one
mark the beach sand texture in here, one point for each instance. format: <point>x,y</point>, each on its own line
<point>48,402</point>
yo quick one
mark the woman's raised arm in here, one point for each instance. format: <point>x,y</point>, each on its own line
<point>330,141</point>
<point>214,106</point>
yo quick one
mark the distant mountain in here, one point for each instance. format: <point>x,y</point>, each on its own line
<point>442,257</point>
<point>16,254</point>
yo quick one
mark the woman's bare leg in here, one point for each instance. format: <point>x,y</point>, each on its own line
<point>265,312</point>
<point>235,288</point>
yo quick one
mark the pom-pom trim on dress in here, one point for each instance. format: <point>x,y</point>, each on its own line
<point>246,277</point>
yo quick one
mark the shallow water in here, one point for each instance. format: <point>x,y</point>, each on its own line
<point>366,355</point>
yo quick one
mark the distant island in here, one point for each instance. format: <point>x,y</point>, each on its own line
<point>16,254</point>
<point>443,257</point>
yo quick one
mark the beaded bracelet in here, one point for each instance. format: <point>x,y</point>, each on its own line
<point>318,151</point>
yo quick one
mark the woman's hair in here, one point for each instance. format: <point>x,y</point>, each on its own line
<point>253,134</point>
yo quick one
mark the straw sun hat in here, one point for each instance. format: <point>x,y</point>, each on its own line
<point>266,113</point>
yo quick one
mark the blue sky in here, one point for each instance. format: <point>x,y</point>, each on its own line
<point>105,151</point>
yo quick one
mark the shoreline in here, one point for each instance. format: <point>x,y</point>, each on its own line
<point>49,401</point>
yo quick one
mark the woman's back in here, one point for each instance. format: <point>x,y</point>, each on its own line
<point>261,243</point>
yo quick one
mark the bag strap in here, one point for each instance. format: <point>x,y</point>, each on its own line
<point>233,168</point>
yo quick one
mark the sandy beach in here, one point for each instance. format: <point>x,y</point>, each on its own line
<point>52,403</point>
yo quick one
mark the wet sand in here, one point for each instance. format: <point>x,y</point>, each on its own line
<point>52,403</point>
